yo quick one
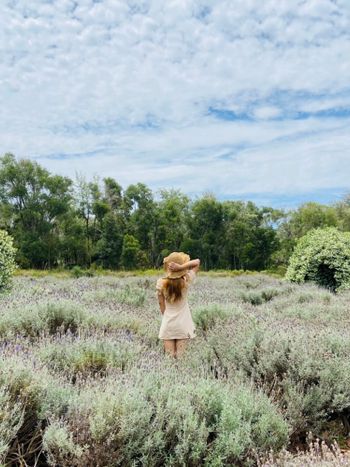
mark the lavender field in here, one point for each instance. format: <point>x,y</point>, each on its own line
<point>84,380</point>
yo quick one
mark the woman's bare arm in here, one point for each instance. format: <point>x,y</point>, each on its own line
<point>193,264</point>
<point>161,301</point>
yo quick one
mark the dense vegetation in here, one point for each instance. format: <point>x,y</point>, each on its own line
<point>7,259</point>
<point>58,222</point>
<point>322,256</point>
<point>84,382</point>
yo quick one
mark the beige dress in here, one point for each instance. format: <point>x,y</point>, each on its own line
<point>177,321</point>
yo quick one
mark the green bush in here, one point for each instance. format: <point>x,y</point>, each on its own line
<point>306,374</point>
<point>11,419</point>
<point>58,444</point>
<point>77,272</point>
<point>88,357</point>
<point>132,296</point>
<point>162,421</point>
<point>206,317</point>
<point>61,317</point>
<point>322,256</point>
<point>34,319</point>
<point>22,396</point>
<point>7,259</point>
<point>29,397</point>
<point>129,295</point>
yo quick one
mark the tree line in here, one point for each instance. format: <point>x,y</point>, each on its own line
<point>59,222</point>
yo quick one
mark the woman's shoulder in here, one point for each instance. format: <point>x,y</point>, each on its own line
<point>160,283</point>
<point>190,276</point>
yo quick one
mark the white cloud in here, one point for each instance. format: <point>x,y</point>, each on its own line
<point>133,82</point>
<point>267,112</point>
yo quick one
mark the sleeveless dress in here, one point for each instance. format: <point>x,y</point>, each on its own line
<point>177,320</point>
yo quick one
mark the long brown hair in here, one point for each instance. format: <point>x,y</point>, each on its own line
<point>173,289</point>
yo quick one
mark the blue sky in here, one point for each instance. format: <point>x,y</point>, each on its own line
<point>247,99</point>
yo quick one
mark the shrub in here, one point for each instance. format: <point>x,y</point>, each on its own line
<point>28,398</point>
<point>7,259</point>
<point>132,296</point>
<point>88,357</point>
<point>11,419</point>
<point>161,420</point>
<point>60,316</point>
<point>77,272</point>
<point>59,445</point>
<point>129,295</point>
<point>318,454</point>
<point>22,398</point>
<point>306,374</point>
<point>206,317</point>
<point>322,256</point>
<point>258,297</point>
<point>35,319</point>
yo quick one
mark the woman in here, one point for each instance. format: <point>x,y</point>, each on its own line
<point>177,324</point>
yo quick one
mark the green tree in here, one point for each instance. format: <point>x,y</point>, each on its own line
<point>298,222</point>
<point>109,247</point>
<point>131,252</point>
<point>342,210</point>
<point>84,201</point>
<point>73,246</point>
<point>173,217</point>
<point>249,238</point>
<point>34,202</point>
<point>206,230</point>
<point>113,195</point>
<point>142,218</point>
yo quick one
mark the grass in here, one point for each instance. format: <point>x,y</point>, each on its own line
<point>64,273</point>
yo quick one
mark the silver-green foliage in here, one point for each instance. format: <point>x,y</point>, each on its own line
<point>88,357</point>
<point>307,373</point>
<point>11,419</point>
<point>157,420</point>
<point>107,395</point>
<point>7,259</point>
<point>50,318</point>
<point>207,317</point>
<point>322,256</point>
<point>28,398</point>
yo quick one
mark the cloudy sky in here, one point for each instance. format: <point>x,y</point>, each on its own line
<point>247,99</point>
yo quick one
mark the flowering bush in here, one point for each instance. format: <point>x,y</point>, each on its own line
<point>7,259</point>
<point>322,256</point>
<point>84,379</point>
<point>166,419</point>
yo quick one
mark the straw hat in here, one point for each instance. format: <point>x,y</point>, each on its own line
<point>175,257</point>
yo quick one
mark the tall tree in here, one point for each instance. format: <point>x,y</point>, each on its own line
<point>249,235</point>
<point>206,230</point>
<point>34,201</point>
<point>173,218</point>
<point>143,218</point>
<point>109,246</point>
<point>342,211</point>
<point>300,221</point>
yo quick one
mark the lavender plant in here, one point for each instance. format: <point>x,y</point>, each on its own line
<point>84,380</point>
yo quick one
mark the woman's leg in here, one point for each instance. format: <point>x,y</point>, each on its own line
<point>180,346</point>
<point>169,347</point>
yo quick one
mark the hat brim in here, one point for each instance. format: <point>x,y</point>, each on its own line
<point>176,274</point>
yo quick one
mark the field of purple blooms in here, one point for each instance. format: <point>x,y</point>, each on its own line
<point>84,380</point>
